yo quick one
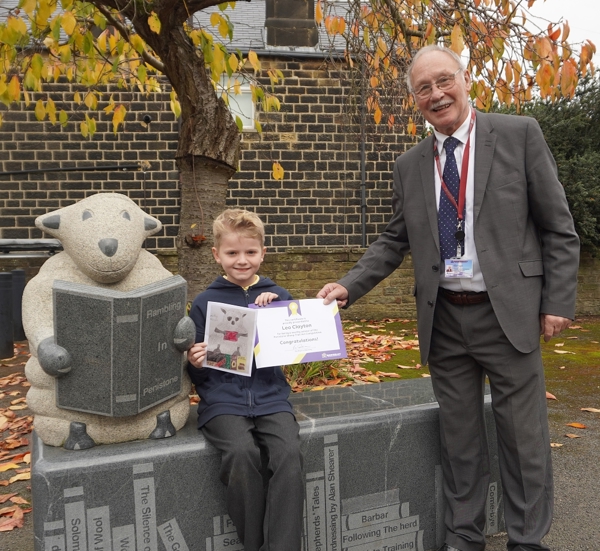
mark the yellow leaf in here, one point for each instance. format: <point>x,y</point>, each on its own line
<point>239,123</point>
<point>137,43</point>
<point>118,117</point>
<point>8,466</point>
<point>389,375</point>
<point>175,105</point>
<point>63,117</point>
<point>91,125</point>
<point>14,89</point>
<point>377,115</point>
<point>233,62</point>
<point>555,445</point>
<point>154,23</point>
<point>91,101</point>
<point>457,43</point>
<point>372,379</point>
<point>40,112</point>
<point>566,31</point>
<point>215,18</point>
<point>84,129</point>
<point>223,28</point>
<point>563,352</point>
<point>568,435</point>
<point>101,41</point>
<point>22,476</point>
<point>253,59</point>
<point>317,388</point>
<point>68,22</point>
<point>577,425</point>
<point>28,6</point>
<point>218,62</point>
<point>318,12</point>
<point>278,171</point>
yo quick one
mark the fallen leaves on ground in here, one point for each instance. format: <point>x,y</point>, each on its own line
<point>570,435</point>
<point>14,431</point>
<point>556,445</point>
<point>591,410</point>
<point>550,396</point>
<point>577,425</point>
<point>373,343</point>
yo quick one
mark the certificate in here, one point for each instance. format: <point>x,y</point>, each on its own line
<point>298,331</point>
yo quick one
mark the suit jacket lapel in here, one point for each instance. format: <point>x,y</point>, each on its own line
<point>485,142</point>
<point>428,182</point>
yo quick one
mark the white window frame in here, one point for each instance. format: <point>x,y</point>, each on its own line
<point>240,105</point>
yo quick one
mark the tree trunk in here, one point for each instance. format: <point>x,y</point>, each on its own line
<point>203,184</point>
<point>208,148</point>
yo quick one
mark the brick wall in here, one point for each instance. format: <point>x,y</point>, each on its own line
<point>29,145</point>
<point>317,142</point>
<point>317,204</point>
<point>304,271</point>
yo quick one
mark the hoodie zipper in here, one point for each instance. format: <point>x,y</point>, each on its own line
<point>249,394</point>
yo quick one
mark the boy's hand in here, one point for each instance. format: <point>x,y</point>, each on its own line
<point>197,354</point>
<point>265,298</point>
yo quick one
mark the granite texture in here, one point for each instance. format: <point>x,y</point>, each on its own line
<point>102,237</point>
<point>127,341</point>
<point>372,471</point>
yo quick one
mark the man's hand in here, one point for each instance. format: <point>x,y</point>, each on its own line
<point>552,326</point>
<point>334,291</point>
<point>197,354</point>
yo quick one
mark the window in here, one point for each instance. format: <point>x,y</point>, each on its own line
<point>240,103</point>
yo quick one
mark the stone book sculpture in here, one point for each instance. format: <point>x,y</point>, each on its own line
<point>124,341</point>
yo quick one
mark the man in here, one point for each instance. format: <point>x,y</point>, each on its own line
<point>496,270</point>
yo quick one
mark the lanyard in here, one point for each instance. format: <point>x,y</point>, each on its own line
<point>460,207</point>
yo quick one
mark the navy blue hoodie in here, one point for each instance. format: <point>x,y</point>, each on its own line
<point>266,391</point>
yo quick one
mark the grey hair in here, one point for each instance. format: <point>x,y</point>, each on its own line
<point>426,50</point>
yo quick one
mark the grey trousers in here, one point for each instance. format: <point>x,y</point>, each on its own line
<point>267,518</point>
<point>468,344</point>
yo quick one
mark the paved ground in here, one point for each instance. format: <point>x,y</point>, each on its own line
<point>577,471</point>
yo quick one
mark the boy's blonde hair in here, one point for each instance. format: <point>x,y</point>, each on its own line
<point>239,221</point>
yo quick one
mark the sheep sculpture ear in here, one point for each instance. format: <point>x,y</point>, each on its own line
<point>150,224</point>
<point>49,223</point>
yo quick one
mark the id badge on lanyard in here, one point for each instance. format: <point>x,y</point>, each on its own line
<point>458,267</point>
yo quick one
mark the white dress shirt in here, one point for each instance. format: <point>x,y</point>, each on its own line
<point>462,135</point>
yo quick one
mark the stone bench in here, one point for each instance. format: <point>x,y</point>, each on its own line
<point>372,468</point>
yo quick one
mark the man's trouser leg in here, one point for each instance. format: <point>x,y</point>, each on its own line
<point>468,344</point>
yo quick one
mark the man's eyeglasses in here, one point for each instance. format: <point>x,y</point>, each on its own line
<point>442,83</point>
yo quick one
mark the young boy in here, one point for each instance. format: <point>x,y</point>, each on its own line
<point>243,415</point>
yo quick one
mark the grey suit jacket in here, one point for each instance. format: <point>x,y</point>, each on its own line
<point>524,235</point>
